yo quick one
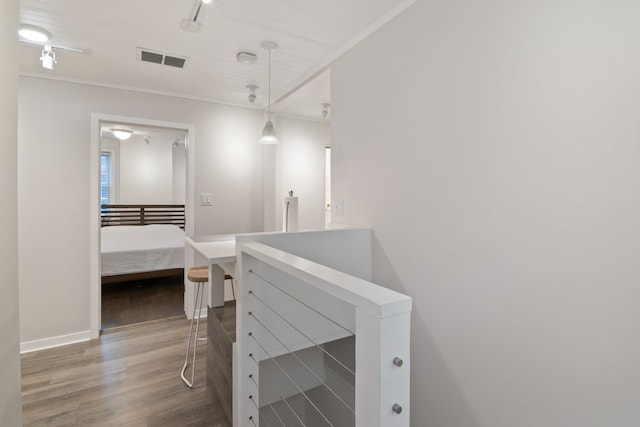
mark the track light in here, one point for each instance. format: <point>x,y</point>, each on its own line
<point>252,93</point>
<point>192,23</point>
<point>48,57</point>
<point>269,132</point>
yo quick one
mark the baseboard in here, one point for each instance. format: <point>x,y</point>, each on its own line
<point>42,344</point>
<point>203,314</point>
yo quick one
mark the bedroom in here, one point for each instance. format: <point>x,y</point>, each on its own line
<point>142,181</point>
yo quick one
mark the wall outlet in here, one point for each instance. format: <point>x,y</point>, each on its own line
<point>206,199</point>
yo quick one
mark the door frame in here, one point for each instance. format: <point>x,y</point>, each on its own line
<point>95,286</point>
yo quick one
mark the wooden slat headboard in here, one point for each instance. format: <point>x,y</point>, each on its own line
<point>111,215</point>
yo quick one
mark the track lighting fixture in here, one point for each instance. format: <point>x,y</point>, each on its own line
<point>269,132</point>
<point>192,23</point>
<point>325,109</point>
<point>252,93</point>
<point>48,57</point>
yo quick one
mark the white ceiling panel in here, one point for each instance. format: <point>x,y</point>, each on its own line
<point>310,34</point>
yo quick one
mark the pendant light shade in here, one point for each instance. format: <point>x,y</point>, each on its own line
<point>269,132</point>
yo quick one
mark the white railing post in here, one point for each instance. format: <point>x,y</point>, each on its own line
<point>382,370</point>
<point>248,372</point>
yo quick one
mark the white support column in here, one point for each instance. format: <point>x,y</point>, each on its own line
<point>379,382</point>
<point>216,286</point>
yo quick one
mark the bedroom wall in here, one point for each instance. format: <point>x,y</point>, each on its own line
<point>53,185</point>
<point>146,172</point>
<point>179,174</point>
<point>494,148</point>
<point>10,387</point>
<point>300,166</point>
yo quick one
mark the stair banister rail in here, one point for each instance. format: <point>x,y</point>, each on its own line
<point>378,317</point>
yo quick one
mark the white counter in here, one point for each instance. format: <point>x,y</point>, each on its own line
<point>220,253</point>
<point>215,249</point>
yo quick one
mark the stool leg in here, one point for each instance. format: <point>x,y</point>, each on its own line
<point>195,340</point>
<point>197,306</point>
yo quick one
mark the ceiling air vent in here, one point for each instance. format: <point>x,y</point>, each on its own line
<point>147,55</point>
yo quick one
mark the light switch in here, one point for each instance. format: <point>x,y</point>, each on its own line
<point>206,199</point>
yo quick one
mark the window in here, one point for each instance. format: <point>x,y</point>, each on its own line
<point>106,178</point>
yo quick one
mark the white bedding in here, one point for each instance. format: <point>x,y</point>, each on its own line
<point>135,249</point>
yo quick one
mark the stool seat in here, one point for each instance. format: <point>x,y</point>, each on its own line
<point>198,274</point>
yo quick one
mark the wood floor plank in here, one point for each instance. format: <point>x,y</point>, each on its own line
<point>140,301</point>
<point>127,377</point>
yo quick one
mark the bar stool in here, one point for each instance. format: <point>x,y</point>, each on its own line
<point>199,276</point>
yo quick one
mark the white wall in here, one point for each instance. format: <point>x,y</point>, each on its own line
<point>10,403</point>
<point>179,174</point>
<point>300,166</point>
<point>146,172</point>
<point>53,185</point>
<point>494,148</point>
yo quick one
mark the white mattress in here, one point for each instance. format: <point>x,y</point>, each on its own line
<point>136,249</point>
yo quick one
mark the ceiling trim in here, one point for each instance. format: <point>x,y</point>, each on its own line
<point>137,89</point>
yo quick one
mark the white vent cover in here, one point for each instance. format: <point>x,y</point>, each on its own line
<point>148,55</point>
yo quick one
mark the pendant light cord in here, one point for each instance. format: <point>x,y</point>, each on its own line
<point>269,105</point>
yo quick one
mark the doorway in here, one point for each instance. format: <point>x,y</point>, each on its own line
<point>124,173</point>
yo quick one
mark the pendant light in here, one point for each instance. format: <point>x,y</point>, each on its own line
<point>269,133</point>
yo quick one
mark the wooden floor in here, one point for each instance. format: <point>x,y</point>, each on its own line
<point>127,377</point>
<point>142,300</point>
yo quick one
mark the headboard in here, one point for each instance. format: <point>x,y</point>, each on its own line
<point>111,215</point>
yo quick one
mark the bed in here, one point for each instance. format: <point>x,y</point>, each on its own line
<point>141,242</point>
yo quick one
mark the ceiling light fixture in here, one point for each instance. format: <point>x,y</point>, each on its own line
<point>325,109</point>
<point>192,23</point>
<point>33,34</point>
<point>48,57</point>
<point>121,134</point>
<point>269,132</point>
<point>252,93</point>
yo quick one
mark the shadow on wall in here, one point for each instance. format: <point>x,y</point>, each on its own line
<point>437,400</point>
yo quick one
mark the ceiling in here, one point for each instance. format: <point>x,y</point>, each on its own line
<point>310,34</point>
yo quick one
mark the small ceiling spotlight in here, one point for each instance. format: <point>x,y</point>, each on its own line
<point>48,57</point>
<point>252,93</point>
<point>207,1</point>
<point>121,134</point>
<point>33,34</point>
<point>325,109</point>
